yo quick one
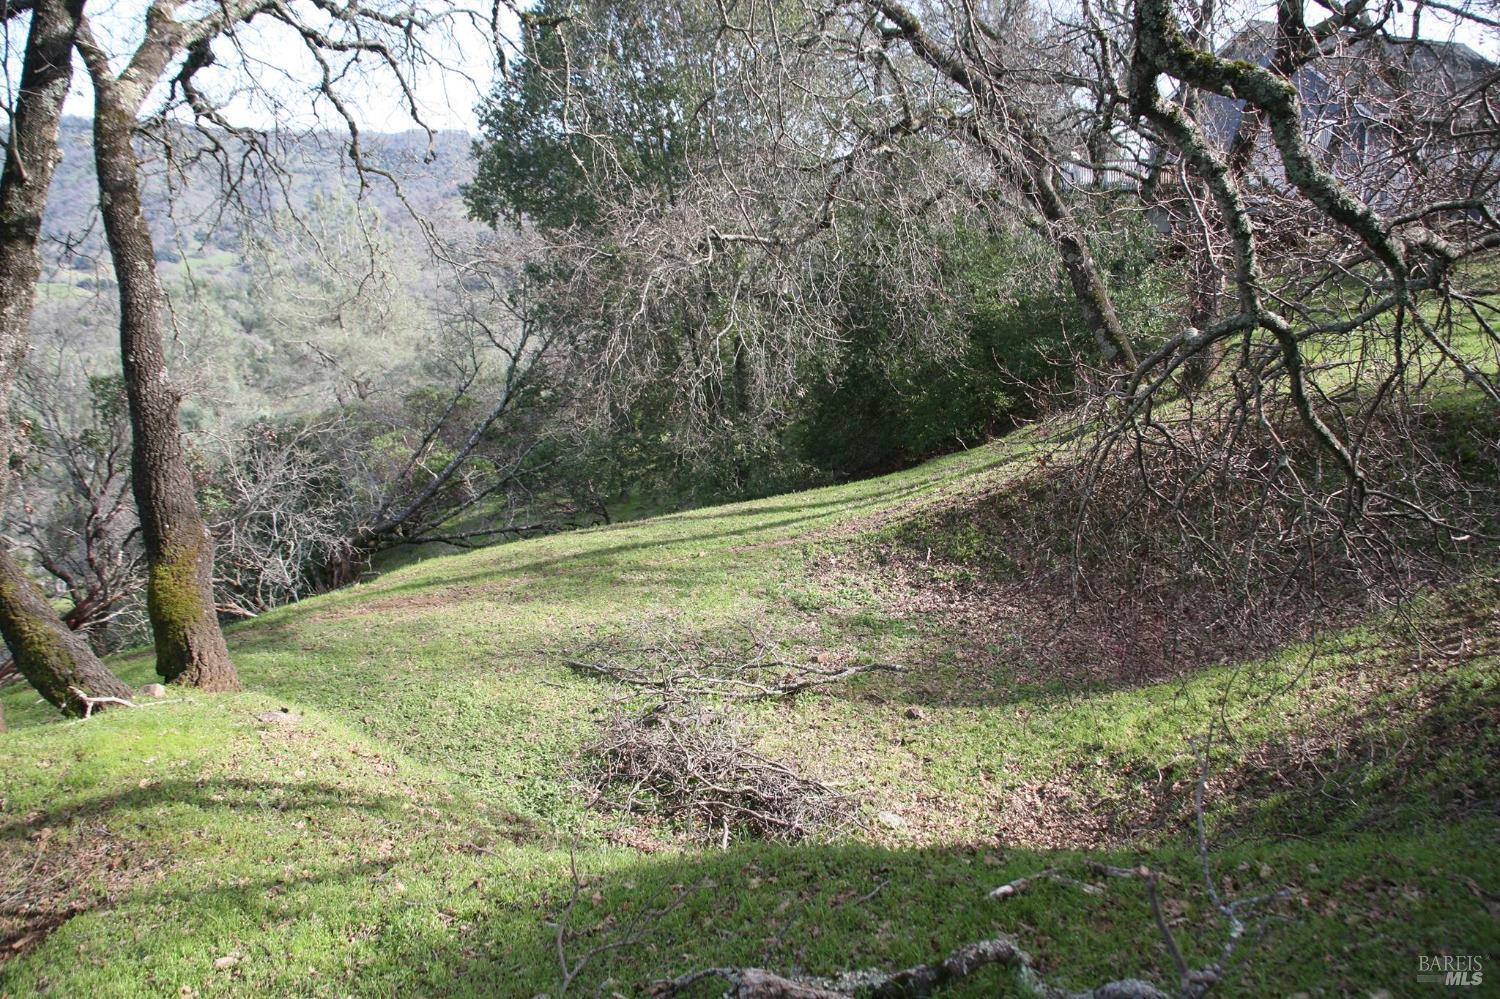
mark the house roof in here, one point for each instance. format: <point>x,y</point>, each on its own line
<point>1361,78</point>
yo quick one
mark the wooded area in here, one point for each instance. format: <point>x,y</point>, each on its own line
<point>1217,281</point>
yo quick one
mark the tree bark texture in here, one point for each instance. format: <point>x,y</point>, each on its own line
<point>46,652</point>
<point>179,550</point>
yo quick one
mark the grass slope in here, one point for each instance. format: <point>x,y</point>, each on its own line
<point>413,833</point>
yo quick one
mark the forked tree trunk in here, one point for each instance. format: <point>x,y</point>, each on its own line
<point>49,655</point>
<point>179,551</point>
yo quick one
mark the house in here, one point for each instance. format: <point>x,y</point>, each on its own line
<point>1390,116</point>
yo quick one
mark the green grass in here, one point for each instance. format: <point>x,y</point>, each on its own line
<point>412,834</point>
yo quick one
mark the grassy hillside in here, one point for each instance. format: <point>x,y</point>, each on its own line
<point>413,831</point>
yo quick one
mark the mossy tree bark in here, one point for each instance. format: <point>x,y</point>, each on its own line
<point>53,659</point>
<point>1089,287</point>
<point>47,653</point>
<point>179,551</point>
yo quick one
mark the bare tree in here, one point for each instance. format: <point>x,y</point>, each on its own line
<point>336,41</point>
<point>1331,246</point>
<point>304,505</point>
<point>980,58</point>
<point>491,351</point>
<point>1403,264</point>
<point>816,151</point>
<point>53,659</point>
<point>75,515</point>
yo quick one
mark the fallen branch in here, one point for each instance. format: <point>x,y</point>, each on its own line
<point>909,983</point>
<point>661,659</point>
<point>1050,874</point>
<point>746,983</point>
<point>90,702</point>
<point>798,678</point>
<point>925,979</point>
<point>627,935</point>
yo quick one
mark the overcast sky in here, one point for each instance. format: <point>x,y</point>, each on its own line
<point>263,79</point>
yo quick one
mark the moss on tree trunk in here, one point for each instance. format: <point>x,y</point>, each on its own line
<point>179,551</point>
<point>178,600</point>
<point>53,659</point>
<point>49,655</point>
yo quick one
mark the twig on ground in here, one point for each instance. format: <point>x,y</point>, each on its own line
<point>90,702</point>
<point>862,899</point>
<point>660,659</point>
<point>924,979</point>
<point>628,936</point>
<point>798,678</point>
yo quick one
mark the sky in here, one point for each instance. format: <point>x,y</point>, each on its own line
<point>262,79</point>
<point>263,73</point>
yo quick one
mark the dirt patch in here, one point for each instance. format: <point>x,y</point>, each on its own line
<point>1413,722</point>
<point>53,874</point>
<point>1037,632</point>
<point>505,588</point>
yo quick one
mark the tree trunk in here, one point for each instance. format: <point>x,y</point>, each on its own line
<point>50,657</point>
<point>1089,287</point>
<point>1037,178</point>
<point>46,652</point>
<point>179,551</point>
<point>1203,310</point>
<point>31,158</point>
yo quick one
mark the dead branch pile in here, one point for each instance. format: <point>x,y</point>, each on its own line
<point>697,767</point>
<point>1209,536</point>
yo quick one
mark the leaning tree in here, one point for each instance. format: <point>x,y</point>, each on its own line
<point>57,662</point>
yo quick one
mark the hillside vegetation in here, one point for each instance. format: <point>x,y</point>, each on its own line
<point>412,822</point>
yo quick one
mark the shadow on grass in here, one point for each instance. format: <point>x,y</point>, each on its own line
<point>443,907</point>
<point>469,929</point>
<point>229,794</point>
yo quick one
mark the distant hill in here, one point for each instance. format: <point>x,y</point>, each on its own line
<point>243,337</point>
<point>185,201</point>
